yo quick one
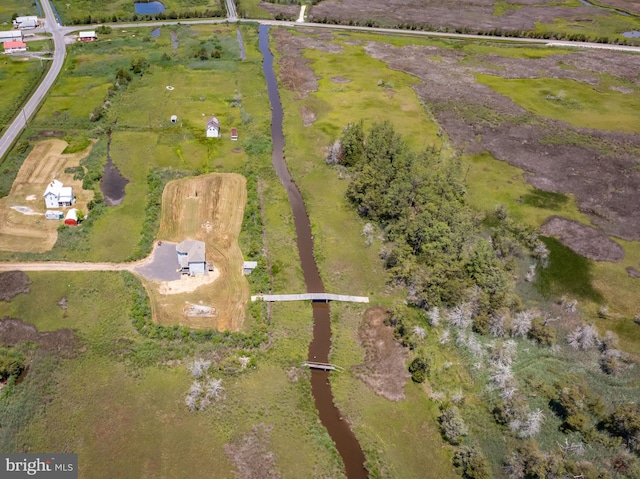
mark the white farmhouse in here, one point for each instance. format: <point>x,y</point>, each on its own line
<point>213,128</point>
<point>57,195</point>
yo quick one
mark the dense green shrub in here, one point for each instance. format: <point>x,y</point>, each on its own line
<point>12,363</point>
<point>472,463</point>
<point>419,368</point>
<point>452,425</point>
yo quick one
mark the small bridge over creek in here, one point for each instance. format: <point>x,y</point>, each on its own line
<point>315,297</point>
<point>322,366</point>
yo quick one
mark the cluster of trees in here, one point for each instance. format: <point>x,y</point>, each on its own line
<point>432,236</point>
<point>202,51</point>
<point>167,15</point>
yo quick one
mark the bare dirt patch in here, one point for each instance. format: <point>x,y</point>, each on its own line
<point>633,272</point>
<point>13,283</point>
<point>384,369</point>
<point>308,116</point>
<point>339,80</point>
<point>251,455</point>
<point>473,15</point>
<point>583,239</point>
<point>31,232</point>
<point>295,73</point>
<point>207,208</point>
<point>62,341</point>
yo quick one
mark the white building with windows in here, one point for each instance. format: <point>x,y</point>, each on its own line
<point>57,195</point>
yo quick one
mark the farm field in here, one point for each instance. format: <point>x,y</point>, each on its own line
<point>208,208</point>
<point>31,232</point>
<point>421,88</point>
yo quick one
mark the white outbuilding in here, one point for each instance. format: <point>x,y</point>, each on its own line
<point>24,23</point>
<point>213,128</point>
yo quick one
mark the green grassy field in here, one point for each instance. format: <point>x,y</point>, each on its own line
<point>77,11</point>
<point>115,401</point>
<point>576,103</point>
<point>18,78</point>
<point>11,7</point>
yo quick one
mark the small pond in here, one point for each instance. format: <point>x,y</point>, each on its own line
<point>155,33</point>
<point>632,34</point>
<point>112,183</point>
<point>148,8</point>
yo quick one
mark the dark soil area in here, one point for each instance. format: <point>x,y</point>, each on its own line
<point>12,283</point>
<point>62,342</point>
<point>583,239</point>
<point>251,456</point>
<point>384,369</point>
<point>474,15</point>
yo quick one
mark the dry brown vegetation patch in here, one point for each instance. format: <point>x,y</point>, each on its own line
<point>472,14</point>
<point>295,73</point>
<point>12,283</point>
<point>384,369</point>
<point>583,239</point>
<point>13,331</point>
<point>251,455</point>
<point>208,208</point>
<point>32,233</point>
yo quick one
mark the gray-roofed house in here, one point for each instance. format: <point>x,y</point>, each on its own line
<point>191,257</point>
<point>249,266</point>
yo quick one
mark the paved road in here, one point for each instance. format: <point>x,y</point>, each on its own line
<point>32,104</point>
<point>59,33</point>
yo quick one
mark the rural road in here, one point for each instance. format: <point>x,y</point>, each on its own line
<point>59,33</point>
<point>32,104</point>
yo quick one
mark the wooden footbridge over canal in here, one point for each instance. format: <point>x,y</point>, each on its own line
<point>314,297</point>
<point>321,366</point>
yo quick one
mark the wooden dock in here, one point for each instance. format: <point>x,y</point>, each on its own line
<point>324,297</point>
<point>321,366</point>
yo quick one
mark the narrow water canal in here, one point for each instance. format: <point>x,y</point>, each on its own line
<point>338,429</point>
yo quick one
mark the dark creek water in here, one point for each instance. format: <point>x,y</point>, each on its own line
<point>112,183</point>
<point>338,429</point>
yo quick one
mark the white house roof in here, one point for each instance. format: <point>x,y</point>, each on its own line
<point>54,188</point>
<point>88,34</point>
<point>11,35</point>
<point>66,193</point>
<point>72,214</point>
<point>30,18</point>
<point>213,121</point>
<point>194,251</point>
<point>250,265</point>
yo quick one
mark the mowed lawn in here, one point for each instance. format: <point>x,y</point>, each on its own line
<point>122,396</point>
<point>9,7</point>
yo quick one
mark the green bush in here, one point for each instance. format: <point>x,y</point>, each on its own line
<point>12,363</point>
<point>419,368</point>
<point>472,463</point>
<point>452,425</point>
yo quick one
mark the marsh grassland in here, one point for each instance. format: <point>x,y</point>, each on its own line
<point>427,90</point>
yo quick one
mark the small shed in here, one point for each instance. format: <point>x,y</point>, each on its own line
<point>88,36</point>
<point>15,46</point>
<point>53,215</point>
<point>191,257</point>
<point>174,119</point>
<point>249,266</point>
<point>213,128</point>
<point>71,218</point>
<point>24,23</point>
<point>234,134</point>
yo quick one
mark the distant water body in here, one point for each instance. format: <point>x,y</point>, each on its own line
<point>150,8</point>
